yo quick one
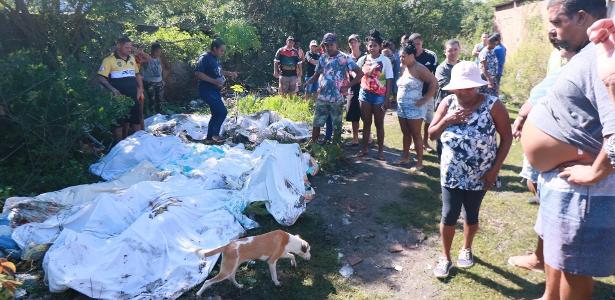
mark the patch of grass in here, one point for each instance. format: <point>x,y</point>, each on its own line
<point>327,155</point>
<point>421,208</point>
<point>506,229</point>
<point>317,278</point>
<point>294,108</point>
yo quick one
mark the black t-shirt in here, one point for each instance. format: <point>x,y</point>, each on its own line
<point>428,59</point>
<point>356,89</point>
<point>310,68</point>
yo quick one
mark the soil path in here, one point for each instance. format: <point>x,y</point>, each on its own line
<point>388,259</point>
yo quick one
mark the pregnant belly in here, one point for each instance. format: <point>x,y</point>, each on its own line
<point>545,153</point>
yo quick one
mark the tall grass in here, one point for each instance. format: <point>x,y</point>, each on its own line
<point>294,108</point>
<point>527,66</point>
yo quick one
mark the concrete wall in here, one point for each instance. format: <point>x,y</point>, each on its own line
<point>510,19</point>
<point>510,22</point>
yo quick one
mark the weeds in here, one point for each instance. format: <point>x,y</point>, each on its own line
<point>8,284</point>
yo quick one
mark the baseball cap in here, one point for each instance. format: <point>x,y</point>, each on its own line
<point>415,36</point>
<point>290,38</point>
<point>355,37</point>
<point>329,38</point>
<point>313,43</point>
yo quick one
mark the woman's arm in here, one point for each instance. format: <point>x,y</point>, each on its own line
<point>430,79</point>
<point>204,77</point>
<point>517,126</point>
<point>388,93</point>
<point>483,66</point>
<point>439,122</point>
<point>501,120</point>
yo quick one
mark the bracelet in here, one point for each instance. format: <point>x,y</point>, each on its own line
<point>609,147</point>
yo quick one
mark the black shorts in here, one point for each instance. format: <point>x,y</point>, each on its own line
<point>134,116</point>
<point>353,108</point>
<point>128,88</point>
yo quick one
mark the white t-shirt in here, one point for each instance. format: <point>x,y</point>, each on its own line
<point>377,71</point>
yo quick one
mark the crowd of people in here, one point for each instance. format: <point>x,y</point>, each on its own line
<point>567,126</point>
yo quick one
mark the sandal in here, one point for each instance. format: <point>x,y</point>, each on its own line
<point>416,169</point>
<point>401,163</point>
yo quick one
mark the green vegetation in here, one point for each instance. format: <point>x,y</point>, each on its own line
<point>294,108</point>
<point>528,65</point>
<point>8,284</point>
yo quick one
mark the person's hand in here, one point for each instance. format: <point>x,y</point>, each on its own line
<point>602,33</point>
<point>421,102</point>
<point>491,85</point>
<point>489,179</point>
<point>115,92</point>
<point>457,117</point>
<point>233,75</point>
<point>140,96</point>
<point>517,126</point>
<point>580,174</point>
<point>219,82</point>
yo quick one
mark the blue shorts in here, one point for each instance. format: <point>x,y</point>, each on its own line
<point>577,224</point>
<point>370,98</point>
<point>312,88</point>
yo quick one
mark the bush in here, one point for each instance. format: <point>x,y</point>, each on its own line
<point>45,115</point>
<point>528,65</point>
<point>294,108</point>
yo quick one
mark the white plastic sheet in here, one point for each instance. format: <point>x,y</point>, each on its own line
<point>253,128</point>
<point>133,237</point>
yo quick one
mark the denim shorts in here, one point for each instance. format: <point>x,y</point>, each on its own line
<point>577,225</point>
<point>528,172</point>
<point>371,98</point>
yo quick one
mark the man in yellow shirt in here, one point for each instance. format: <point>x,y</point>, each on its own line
<point>119,72</point>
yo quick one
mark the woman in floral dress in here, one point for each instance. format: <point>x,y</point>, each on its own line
<point>467,122</point>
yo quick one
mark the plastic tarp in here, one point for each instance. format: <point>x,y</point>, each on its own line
<point>253,128</point>
<point>134,236</point>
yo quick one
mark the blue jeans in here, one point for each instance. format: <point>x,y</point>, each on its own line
<point>328,129</point>
<point>218,112</point>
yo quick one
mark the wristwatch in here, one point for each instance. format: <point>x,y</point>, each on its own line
<point>609,147</point>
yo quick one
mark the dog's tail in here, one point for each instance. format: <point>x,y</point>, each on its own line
<point>208,252</point>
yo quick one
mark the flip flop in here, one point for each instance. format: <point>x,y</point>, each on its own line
<point>513,262</point>
<point>401,163</point>
<point>416,169</point>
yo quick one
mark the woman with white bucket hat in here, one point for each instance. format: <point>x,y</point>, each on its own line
<point>467,122</point>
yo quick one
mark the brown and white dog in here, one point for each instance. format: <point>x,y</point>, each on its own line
<point>267,247</point>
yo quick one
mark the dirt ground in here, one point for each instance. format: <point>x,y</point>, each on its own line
<point>388,259</point>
